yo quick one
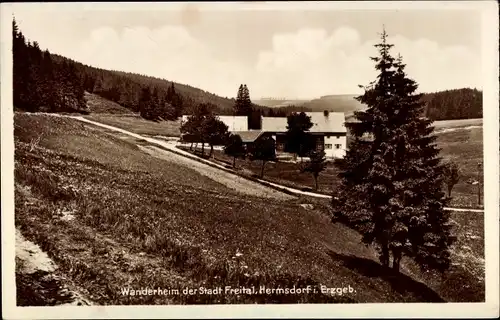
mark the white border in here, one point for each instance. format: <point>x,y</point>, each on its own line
<point>448,310</point>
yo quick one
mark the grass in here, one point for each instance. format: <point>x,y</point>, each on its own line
<point>138,125</point>
<point>465,147</point>
<point>98,104</point>
<point>145,222</point>
<point>459,140</point>
<point>285,173</point>
<point>462,145</point>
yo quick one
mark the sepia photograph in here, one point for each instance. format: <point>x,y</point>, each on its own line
<point>279,158</point>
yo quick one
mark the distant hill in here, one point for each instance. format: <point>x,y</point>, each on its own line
<point>336,103</point>
<point>44,81</point>
<point>279,103</point>
<point>453,104</point>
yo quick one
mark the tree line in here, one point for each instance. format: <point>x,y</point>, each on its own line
<point>44,81</point>
<point>52,83</point>
<point>41,84</point>
<point>463,103</point>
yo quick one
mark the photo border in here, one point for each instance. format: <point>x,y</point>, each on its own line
<point>490,68</point>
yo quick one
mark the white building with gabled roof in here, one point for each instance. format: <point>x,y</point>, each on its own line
<point>328,129</point>
<point>234,123</point>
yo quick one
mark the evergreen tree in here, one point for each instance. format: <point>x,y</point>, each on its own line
<point>175,100</point>
<point>145,104</point>
<point>247,103</point>
<point>263,149</point>
<point>167,110</point>
<point>298,140</point>
<point>392,175</point>
<point>315,165</point>
<point>254,120</point>
<point>155,105</point>
<point>190,130</point>
<point>238,105</point>
<point>243,105</point>
<point>234,148</point>
<point>451,176</point>
<point>214,132</point>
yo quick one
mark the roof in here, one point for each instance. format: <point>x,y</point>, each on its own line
<point>235,123</point>
<point>249,136</point>
<point>333,122</point>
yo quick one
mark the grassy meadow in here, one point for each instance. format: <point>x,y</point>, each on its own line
<point>139,221</point>
<point>459,140</point>
<point>465,147</point>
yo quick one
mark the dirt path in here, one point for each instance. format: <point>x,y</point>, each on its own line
<point>229,180</point>
<point>37,280</point>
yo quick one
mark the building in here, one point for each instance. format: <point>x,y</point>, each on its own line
<point>234,123</point>
<point>249,137</point>
<point>328,130</point>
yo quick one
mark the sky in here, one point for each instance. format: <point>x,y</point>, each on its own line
<point>295,54</point>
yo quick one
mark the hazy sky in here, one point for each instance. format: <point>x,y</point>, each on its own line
<point>285,53</point>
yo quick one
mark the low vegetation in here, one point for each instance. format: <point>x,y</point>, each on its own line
<point>464,146</point>
<point>117,214</point>
<point>138,125</point>
<point>285,172</point>
<point>133,212</point>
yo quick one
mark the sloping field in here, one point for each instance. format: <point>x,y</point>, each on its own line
<point>144,222</point>
<point>441,125</point>
<point>98,104</point>
<point>464,145</point>
<point>139,125</point>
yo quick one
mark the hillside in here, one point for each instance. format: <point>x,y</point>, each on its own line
<point>129,85</point>
<point>463,103</point>
<point>454,104</point>
<point>164,214</point>
<point>59,84</point>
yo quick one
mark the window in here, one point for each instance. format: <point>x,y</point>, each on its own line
<point>328,146</point>
<point>337,146</point>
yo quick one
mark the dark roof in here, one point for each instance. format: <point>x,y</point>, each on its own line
<point>249,136</point>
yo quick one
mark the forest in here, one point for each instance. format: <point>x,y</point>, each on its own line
<point>454,104</point>
<point>47,82</point>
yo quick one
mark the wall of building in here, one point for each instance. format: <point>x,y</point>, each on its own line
<point>335,146</point>
<point>234,123</point>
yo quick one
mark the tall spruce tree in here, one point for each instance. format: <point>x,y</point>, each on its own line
<point>392,174</point>
<point>145,103</point>
<point>239,101</point>
<point>298,139</point>
<point>243,105</point>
